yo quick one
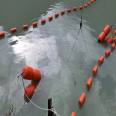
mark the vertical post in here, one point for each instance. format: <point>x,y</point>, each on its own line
<point>50,113</point>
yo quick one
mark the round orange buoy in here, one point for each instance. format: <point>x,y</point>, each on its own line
<point>85,5</point>
<point>81,7</point>
<point>29,91</point>
<point>50,18</point>
<point>75,8</point>
<point>30,73</point>
<point>113,46</point>
<point>114,39</point>
<point>89,3</point>
<point>68,10</point>
<point>95,70</point>
<point>109,40</point>
<point>115,31</point>
<point>107,52</point>
<point>73,114</point>
<point>2,35</point>
<point>56,15</point>
<point>25,27</point>
<point>101,37</point>
<point>43,22</point>
<point>27,73</point>
<point>101,60</point>
<point>89,83</point>
<point>62,13</point>
<point>35,83</point>
<point>82,100</point>
<point>107,29</point>
<point>36,75</point>
<point>34,24</point>
<point>92,1</point>
<point>13,30</point>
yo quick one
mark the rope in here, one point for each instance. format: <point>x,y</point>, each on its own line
<point>74,45</point>
<point>37,106</point>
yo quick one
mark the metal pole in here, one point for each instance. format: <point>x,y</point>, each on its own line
<point>50,113</point>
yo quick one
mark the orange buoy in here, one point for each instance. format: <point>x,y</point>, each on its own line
<point>30,73</point>
<point>34,24</point>
<point>36,75</point>
<point>73,114</point>
<point>56,15</point>
<point>25,27</point>
<point>82,100</point>
<point>27,73</point>
<point>13,30</point>
<point>95,70</point>
<point>62,13</point>
<point>115,31</point>
<point>29,91</point>
<point>68,10</point>
<point>107,52</point>
<point>101,60</point>
<point>35,83</point>
<point>81,7</point>
<point>89,83</point>
<point>107,29</point>
<point>50,18</point>
<point>114,39</point>
<point>101,37</point>
<point>109,40</point>
<point>85,5</point>
<point>2,35</point>
<point>43,22</point>
<point>75,9</point>
<point>89,3</point>
<point>113,46</point>
<point>92,1</point>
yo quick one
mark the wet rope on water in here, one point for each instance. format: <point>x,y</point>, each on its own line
<point>73,46</point>
<point>37,106</point>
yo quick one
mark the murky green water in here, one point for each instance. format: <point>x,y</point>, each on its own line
<point>65,70</point>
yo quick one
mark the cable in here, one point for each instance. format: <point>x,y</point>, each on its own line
<point>37,106</point>
<point>72,49</point>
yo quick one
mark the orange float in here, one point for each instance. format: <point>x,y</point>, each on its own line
<point>29,73</point>
<point>101,37</point>
<point>68,10</point>
<point>113,46</point>
<point>62,13</point>
<point>43,22</point>
<point>29,92</point>
<point>107,29</point>
<point>85,5</point>
<point>50,18</point>
<point>89,3</point>
<point>95,70</point>
<point>34,24</point>
<point>73,114</point>
<point>2,35</point>
<point>89,83</point>
<point>75,9</point>
<point>101,60</point>
<point>107,52</point>
<point>81,7</point>
<point>13,30</point>
<point>82,100</point>
<point>25,27</point>
<point>115,31</point>
<point>56,15</point>
<point>109,40</point>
